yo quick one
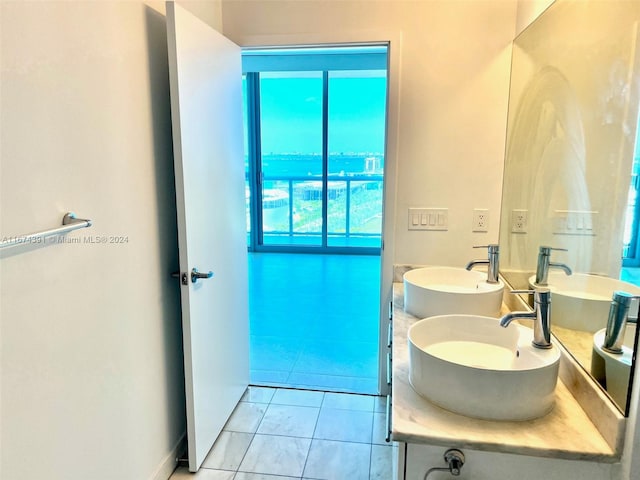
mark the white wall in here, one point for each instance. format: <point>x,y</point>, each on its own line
<point>209,11</point>
<point>454,75</point>
<point>528,11</point>
<point>92,379</point>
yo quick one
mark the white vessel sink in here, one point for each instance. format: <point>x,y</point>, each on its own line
<point>471,365</point>
<point>581,301</point>
<point>432,291</point>
<point>613,370</point>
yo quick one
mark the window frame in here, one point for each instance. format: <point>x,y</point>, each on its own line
<point>324,59</point>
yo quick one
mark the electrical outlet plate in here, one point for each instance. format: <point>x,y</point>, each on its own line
<point>519,221</point>
<point>480,220</point>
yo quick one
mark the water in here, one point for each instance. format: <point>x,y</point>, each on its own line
<point>283,165</point>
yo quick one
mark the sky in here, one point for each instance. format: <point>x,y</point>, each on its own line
<point>291,114</point>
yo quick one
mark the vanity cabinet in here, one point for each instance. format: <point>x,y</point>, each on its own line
<point>563,444</point>
<point>413,461</point>
<point>389,366</point>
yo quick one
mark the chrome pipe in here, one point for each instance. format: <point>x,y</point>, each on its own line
<point>69,223</point>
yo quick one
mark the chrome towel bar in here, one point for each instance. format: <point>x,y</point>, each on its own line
<point>69,223</point>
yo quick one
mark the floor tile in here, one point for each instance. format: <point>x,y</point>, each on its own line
<point>269,377</point>
<point>260,476</point>
<point>379,434</point>
<point>289,420</point>
<point>271,352</point>
<point>346,401</point>
<point>380,404</point>
<point>348,439</point>
<point>246,417</point>
<point>334,383</point>
<point>183,473</point>
<point>334,344</point>
<point>276,455</point>
<point>338,356</point>
<point>228,451</point>
<point>302,398</point>
<point>344,425</point>
<point>381,462</point>
<point>258,394</point>
<point>329,460</point>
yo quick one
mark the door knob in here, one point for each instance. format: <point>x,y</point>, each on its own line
<point>195,275</point>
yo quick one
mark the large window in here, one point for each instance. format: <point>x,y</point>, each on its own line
<point>291,157</point>
<point>356,135</point>
<point>316,139</point>
<point>631,245</point>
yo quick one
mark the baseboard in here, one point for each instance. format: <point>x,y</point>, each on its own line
<point>168,465</point>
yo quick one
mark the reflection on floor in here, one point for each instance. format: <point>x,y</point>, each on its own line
<point>367,241</point>
<point>295,434</point>
<point>314,321</point>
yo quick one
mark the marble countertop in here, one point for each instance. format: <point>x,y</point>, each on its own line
<point>566,432</point>
<point>580,343</point>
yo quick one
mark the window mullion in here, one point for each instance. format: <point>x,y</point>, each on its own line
<point>255,158</point>
<point>325,157</point>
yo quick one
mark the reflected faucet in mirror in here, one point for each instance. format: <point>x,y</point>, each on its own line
<point>545,263</point>
<point>492,262</point>
<point>617,322</point>
<point>613,348</point>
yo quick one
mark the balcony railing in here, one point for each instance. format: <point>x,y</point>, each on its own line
<point>292,210</point>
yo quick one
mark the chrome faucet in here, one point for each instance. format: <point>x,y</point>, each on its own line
<point>541,316</point>
<point>492,262</point>
<point>544,264</point>
<point>617,322</point>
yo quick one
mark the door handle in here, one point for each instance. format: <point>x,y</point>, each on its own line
<point>195,275</point>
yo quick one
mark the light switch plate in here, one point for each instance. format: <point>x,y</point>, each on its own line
<point>428,219</point>
<point>574,222</point>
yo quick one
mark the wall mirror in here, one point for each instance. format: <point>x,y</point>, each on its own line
<point>569,168</point>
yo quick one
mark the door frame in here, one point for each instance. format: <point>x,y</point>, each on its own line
<point>393,40</point>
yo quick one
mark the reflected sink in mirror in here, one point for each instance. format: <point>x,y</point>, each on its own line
<point>581,301</point>
<point>471,365</point>
<point>613,370</point>
<point>433,291</point>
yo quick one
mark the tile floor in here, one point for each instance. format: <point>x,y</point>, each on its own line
<point>277,433</point>
<point>314,321</point>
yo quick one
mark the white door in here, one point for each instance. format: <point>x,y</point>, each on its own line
<point>206,109</point>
